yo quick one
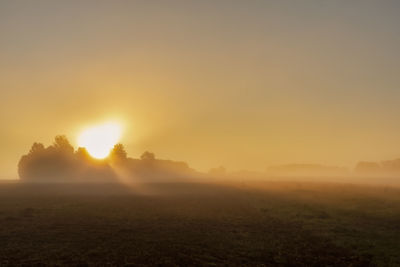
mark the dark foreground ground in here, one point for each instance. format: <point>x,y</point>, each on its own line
<point>271,224</point>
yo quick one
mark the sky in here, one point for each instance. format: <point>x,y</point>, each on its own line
<point>243,84</point>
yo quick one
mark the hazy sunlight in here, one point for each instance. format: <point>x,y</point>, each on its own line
<point>100,139</point>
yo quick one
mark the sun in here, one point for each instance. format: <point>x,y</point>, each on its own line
<point>100,139</point>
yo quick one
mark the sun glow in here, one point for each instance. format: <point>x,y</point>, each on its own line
<point>100,139</point>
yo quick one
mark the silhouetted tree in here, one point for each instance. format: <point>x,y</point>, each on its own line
<point>37,148</point>
<point>82,153</point>
<point>220,171</point>
<point>118,153</point>
<point>61,143</point>
<point>54,163</point>
<point>148,156</point>
<point>59,163</point>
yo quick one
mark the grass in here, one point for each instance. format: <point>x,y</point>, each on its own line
<point>254,224</point>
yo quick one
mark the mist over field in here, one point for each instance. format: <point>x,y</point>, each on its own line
<point>69,208</point>
<point>61,162</point>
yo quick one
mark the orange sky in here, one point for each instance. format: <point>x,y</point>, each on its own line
<point>234,83</point>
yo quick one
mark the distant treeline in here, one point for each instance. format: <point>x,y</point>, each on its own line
<point>386,167</point>
<point>61,163</point>
<point>307,170</point>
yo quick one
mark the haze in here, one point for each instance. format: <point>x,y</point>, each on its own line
<point>244,84</point>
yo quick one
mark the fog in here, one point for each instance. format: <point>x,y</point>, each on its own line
<point>60,162</point>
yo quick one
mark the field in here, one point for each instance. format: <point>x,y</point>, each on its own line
<point>254,224</point>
